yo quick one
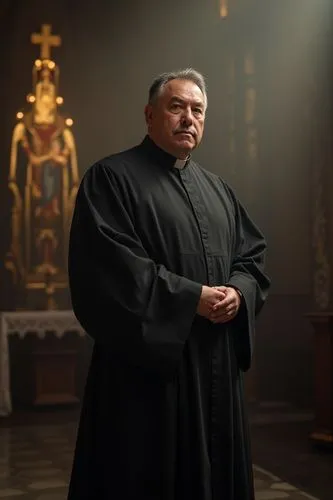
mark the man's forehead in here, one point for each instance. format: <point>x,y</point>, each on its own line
<point>184,89</point>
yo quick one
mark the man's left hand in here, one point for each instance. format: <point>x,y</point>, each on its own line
<point>226,309</point>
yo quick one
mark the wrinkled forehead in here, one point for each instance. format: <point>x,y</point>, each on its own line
<point>184,90</point>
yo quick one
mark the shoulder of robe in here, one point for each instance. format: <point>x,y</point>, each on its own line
<point>117,164</point>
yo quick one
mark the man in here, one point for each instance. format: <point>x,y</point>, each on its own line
<point>166,275</point>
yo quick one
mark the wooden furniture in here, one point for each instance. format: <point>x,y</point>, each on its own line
<point>54,367</point>
<point>322,323</point>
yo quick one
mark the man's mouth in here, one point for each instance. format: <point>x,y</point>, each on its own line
<point>184,132</point>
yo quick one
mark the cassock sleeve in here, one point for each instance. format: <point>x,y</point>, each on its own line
<point>247,275</point>
<point>133,306</point>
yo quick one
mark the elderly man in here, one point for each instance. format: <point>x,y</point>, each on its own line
<point>166,275</point>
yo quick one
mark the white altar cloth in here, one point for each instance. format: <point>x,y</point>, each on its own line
<point>22,322</point>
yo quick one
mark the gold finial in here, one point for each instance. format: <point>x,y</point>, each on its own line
<point>223,8</point>
<point>45,40</point>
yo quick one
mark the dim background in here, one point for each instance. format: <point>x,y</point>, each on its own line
<point>268,130</point>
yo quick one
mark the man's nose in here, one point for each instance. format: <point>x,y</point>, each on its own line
<point>187,116</point>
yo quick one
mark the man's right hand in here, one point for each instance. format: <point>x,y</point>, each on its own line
<point>209,297</point>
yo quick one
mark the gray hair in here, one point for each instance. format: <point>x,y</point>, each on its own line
<point>191,74</point>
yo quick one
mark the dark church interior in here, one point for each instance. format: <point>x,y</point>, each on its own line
<point>268,133</point>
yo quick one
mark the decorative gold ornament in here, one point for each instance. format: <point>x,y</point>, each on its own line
<point>43,179</point>
<point>223,9</point>
<point>45,40</point>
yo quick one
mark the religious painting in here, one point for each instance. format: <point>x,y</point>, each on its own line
<point>43,180</point>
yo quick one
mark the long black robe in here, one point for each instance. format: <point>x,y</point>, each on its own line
<point>163,414</point>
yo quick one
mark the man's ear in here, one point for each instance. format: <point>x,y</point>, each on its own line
<point>148,114</point>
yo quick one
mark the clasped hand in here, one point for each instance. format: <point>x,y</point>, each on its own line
<point>219,304</point>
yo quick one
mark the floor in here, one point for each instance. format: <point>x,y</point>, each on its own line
<point>280,444</point>
<point>36,453</point>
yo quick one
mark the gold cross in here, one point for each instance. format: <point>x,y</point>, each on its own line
<point>45,40</point>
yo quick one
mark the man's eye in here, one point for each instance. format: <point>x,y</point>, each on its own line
<point>197,111</point>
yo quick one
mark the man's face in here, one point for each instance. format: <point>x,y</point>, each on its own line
<point>176,119</point>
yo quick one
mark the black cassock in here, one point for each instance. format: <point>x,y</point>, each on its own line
<point>163,414</point>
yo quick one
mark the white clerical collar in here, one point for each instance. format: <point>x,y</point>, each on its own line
<point>180,164</point>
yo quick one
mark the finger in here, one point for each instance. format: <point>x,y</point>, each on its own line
<point>219,311</point>
<point>213,302</point>
<point>230,311</point>
<point>224,303</point>
<point>224,318</point>
<point>221,288</point>
<point>216,300</point>
<point>232,308</point>
<point>219,295</point>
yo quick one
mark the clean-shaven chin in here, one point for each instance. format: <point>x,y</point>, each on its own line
<point>186,140</point>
